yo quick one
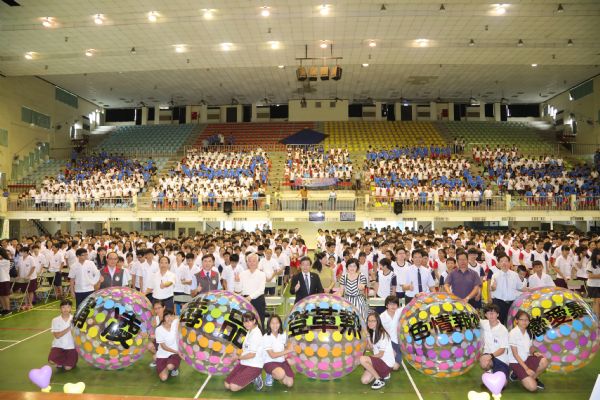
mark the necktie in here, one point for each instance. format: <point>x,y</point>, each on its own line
<point>207,275</point>
<point>419,283</point>
<point>307,283</point>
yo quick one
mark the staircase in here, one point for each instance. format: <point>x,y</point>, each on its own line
<point>277,169</point>
<point>40,227</point>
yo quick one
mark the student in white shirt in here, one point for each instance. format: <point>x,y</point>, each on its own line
<point>418,278</point>
<point>136,270</point>
<point>163,283</point>
<point>184,277</point>
<point>167,355</point>
<point>593,282</point>
<point>276,349</point>
<point>389,320</point>
<point>63,353</point>
<point>4,282</point>
<point>83,275</point>
<point>539,278</point>
<point>495,343</point>
<point>506,287</point>
<point>55,265</point>
<point>251,360</point>
<point>563,266</point>
<point>378,367</point>
<point>526,363</point>
<point>385,279</point>
<point>158,310</point>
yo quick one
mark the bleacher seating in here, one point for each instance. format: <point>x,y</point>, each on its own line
<point>501,133</point>
<point>147,139</point>
<point>359,135</point>
<point>255,134</point>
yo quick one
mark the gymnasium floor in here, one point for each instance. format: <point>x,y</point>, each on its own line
<point>25,340</point>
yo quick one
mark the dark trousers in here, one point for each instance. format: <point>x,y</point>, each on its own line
<point>80,297</point>
<point>504,306</point>
<point>260,304</point>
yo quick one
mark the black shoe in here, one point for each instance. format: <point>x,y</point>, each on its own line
<point>513,377</point>
<point>540,385</point>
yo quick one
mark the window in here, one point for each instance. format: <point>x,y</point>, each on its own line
<point>66,97</point>
<point>317,104</point>
<point>32,117</point>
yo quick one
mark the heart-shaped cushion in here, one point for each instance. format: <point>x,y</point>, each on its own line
<point>472,395</point>
<point>494,382</point>
<point>75,388</point>
<point>41,376</point>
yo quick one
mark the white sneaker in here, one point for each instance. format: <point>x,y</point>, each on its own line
<point>378,384</point>
<point>387,378</point>
<point>269,380</point>
<point>175,372</point>
<point>152,364</point>
<point>258,383</point>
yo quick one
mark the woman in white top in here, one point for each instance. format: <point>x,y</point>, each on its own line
<point>378,367</point>
<point>158,309</point>
<point>276,349</point>
<point>167,355</point>
<point>593,281</point>
<point>526,363</point>
<point>250,361</point>
<point>163,283</point>
<point>4,282</point>
<point>63,353</point>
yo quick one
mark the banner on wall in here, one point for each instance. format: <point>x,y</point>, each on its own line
<point>315,182</point>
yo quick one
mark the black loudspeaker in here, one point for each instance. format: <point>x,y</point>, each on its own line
<point>227,207</point>
<point>397,207</point>
<point>324,73</point>
<point>336,73</point>
<point>301,74</point>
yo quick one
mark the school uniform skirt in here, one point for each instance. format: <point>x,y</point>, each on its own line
<point>270,366</point>
<point>380,366</point>
<point>532,363</point>
<point>63,357</point>
<point>161,363</point>
<point>5,288</point>
<point>32,286</point>
<point>242,375</point>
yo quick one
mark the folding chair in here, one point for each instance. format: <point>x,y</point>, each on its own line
<point>576,285</point>
<point>18,298</point>
<point>45,285</point>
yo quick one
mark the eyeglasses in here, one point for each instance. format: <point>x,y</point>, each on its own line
<point>523,319</point>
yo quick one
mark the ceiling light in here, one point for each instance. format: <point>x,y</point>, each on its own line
<point>570,42</point>
<point>560,8</point>
<point>422,42</point>
<point>365,65</point>
<point>133,52</point>
<point>179,48</point>
<point>281,66</point>
<point>324,9</point>
<point>207,13</point>
<point>471,43</point>
<point>265,11</point>
<point>274,45</point>
<point>152,17</point>
<point>98,19</point>
<point>226,46</point>
<point>534,65</point>
<point>29,55</point>
<point>323,44</point>
<point>442,8</point>
<point>500,9</point>
<point>520,43</point>
<point>89,52</point>
<point>372,43</point>
<point>47,22</point>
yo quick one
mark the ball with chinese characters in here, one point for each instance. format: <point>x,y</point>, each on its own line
<point>328,336</point>
<point>111,327</point>
<point>563,325</point>
<point>439,335</point>
<point>211,331</point>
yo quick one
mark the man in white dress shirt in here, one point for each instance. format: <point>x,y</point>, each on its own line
<point>83,275</point>
<point>270,266</point>
<point>253,283</point>
<point>506,286</point>
<point>418,278</point>
<point>539,278</point>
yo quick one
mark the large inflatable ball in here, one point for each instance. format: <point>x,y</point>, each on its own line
<point>564,327</point>
<point>439,335</point>
<point>211,331</point>
<point>328,336</point>
<point>111,327</point>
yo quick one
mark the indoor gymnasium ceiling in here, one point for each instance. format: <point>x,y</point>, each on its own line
<point>401,64</point>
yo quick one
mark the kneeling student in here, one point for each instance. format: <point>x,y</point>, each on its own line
<point>276,348</point>
<point>63,353</point>
<point>378,367</point>
<point>250,361</point>
<point>167,355</point>
<point>495,343</point>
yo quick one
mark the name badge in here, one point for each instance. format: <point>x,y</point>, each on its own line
<point>117,279</point>
<point>214,282</point>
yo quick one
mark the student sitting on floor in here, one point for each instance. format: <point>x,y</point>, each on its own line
<point>63,353</point>
<point>167,355</point>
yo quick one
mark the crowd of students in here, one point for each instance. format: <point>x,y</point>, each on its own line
<point>487,269</point>
<point>212,178</point>
<point>304,162</point>
<point>92,181</point>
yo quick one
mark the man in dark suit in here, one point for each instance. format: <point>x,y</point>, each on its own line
<point>305,283</point>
